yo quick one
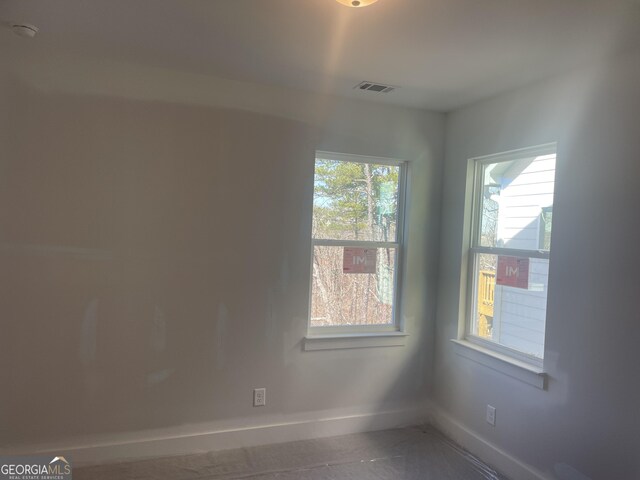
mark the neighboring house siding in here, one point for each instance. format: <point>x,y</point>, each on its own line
<point>520,314</point>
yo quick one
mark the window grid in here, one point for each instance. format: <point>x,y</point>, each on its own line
<point>396,324</point>
<point>476,249</point>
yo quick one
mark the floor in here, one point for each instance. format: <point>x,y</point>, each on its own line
<point>400,454</point>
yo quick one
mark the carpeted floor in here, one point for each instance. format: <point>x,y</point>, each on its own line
<point>400,454</point>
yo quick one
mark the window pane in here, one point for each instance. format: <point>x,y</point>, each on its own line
<point>339,298</point>
<point>517,203</point>
<point>355,201</point>
<point>511,301</point>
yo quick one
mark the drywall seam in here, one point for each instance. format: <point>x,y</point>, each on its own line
<point>483,449</point>
<point>98,452</point>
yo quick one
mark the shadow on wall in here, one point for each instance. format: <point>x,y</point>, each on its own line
<point>138,244</point>
<point>590,340</point>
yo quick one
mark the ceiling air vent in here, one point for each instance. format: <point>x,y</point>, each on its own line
<point>374,87</point>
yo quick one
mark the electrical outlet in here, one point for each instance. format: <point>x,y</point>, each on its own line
<point>259,397</point>
<point>491,415</point>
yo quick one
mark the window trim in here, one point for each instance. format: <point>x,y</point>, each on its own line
<point>523,371</point>
<point>354,340</point>
<point>397,324</point>
<point>473,249</point>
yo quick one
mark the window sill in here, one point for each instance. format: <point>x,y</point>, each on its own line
<point>354,340</point>
<point>502,363</point>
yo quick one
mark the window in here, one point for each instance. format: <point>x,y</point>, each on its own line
<point>509,252</point>
<point>357,244</point>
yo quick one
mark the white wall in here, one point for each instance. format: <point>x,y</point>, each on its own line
<point>154,252</point>
<point>586,422</point>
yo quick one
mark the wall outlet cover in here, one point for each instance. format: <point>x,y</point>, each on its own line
<point>491,415</point>
<point>259,397</point>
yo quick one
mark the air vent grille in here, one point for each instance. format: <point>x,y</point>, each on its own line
<point>374,87</point>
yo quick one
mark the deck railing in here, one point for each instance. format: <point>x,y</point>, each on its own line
<point>486,290</point>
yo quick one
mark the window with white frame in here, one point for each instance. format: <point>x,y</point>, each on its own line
<point>357,243</point>
<point>509,251</point>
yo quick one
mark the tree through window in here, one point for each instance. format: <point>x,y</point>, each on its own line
<point>357,213</point>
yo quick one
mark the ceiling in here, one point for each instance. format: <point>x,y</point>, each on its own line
<point>442,54</point>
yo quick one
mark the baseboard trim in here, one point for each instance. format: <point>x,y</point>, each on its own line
<point>486,451</point>
<point>98,450</point>
<point>195,439</point>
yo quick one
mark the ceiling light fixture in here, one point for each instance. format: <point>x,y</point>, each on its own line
<point>356,3</point>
